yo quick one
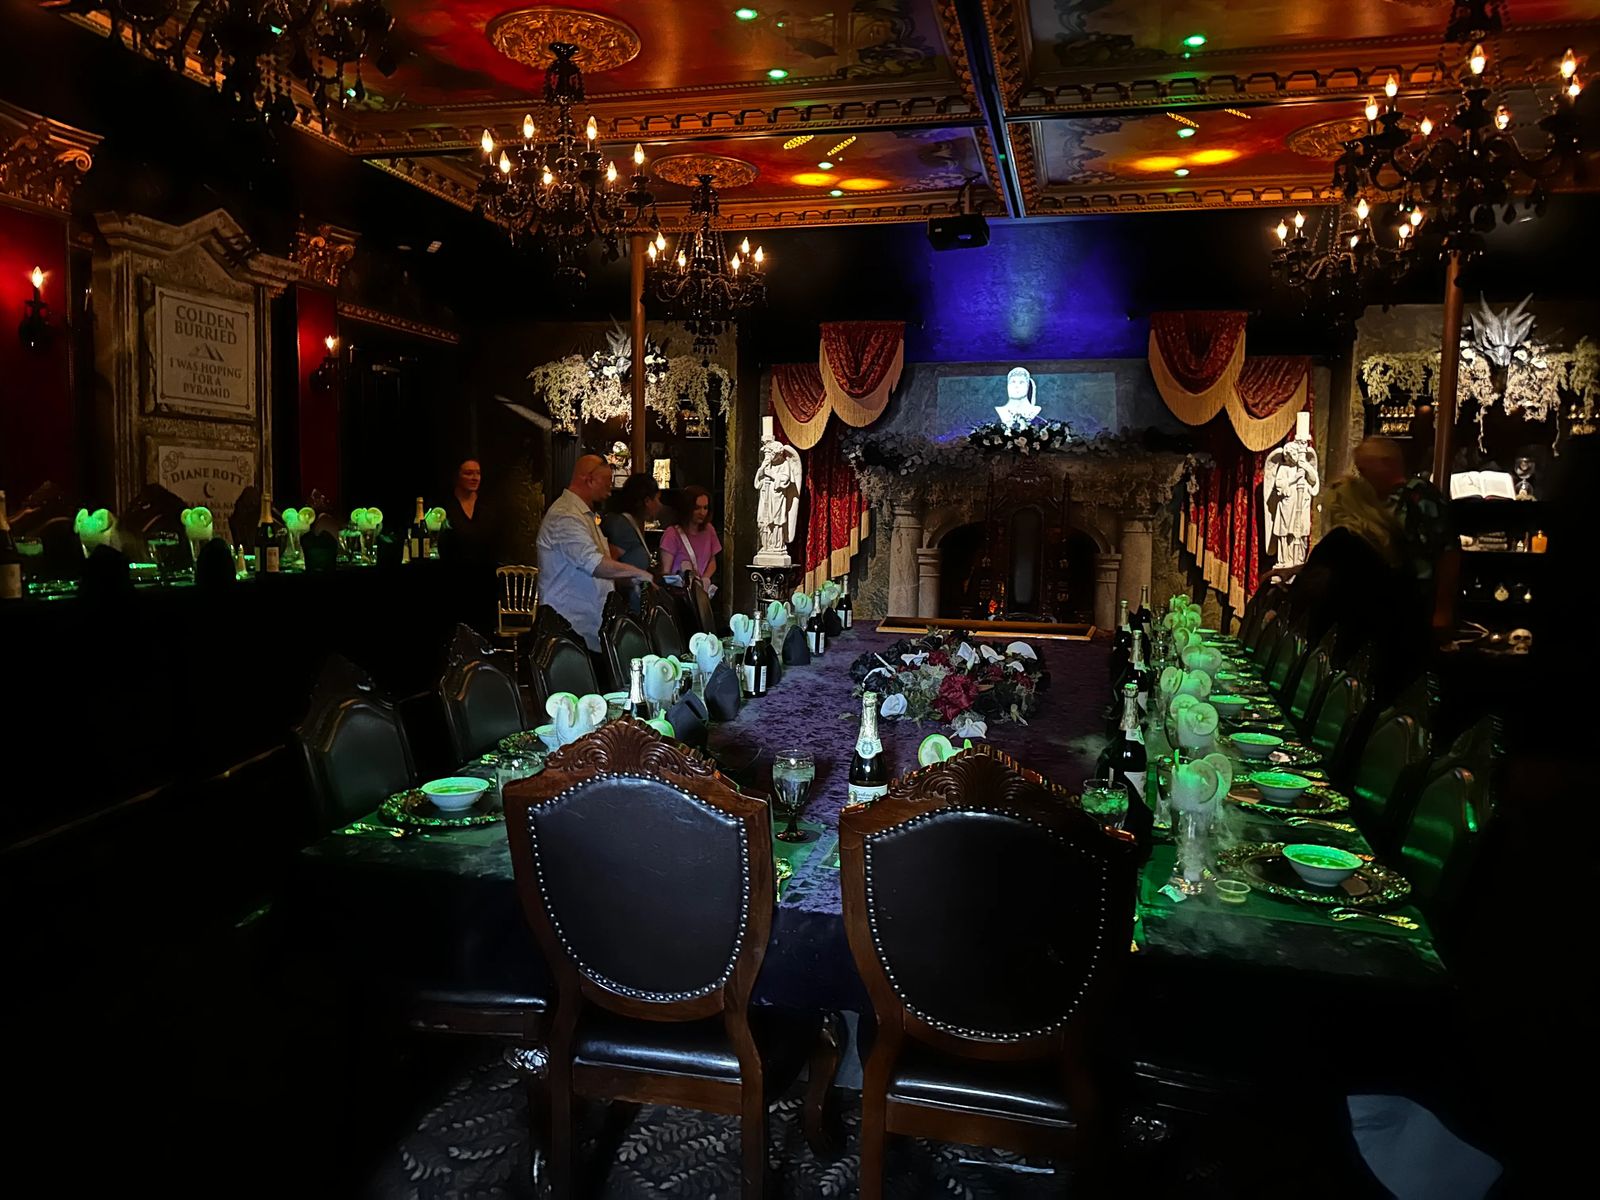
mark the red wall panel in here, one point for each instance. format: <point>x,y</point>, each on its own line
<point>37,422</point>
<point>316,318</point>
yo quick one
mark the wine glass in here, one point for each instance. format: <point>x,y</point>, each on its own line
<point>1107,801</point>
<point>792,773</point>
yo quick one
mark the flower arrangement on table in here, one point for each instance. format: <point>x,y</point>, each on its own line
<point>943,676</point>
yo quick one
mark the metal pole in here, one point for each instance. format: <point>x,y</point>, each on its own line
<point>636,249</point>
<point>1444,407</point>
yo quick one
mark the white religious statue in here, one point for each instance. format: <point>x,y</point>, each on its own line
<point>1019,410</point>
<point>778,482</point>
<point>1289,486</point>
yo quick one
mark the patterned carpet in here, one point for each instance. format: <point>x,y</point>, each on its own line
<point>473,1145</point>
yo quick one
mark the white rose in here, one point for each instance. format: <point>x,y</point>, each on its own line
<point>893,706</point>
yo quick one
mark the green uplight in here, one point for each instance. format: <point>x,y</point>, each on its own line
<point>746,14</point>
<point>1181,172</point>
<point>836,193</point>
<point>1195,40</point>
<point>777,73</point>
<point>1185,132</point>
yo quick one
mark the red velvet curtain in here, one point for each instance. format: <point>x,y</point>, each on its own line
<point>1196,346</point>
<point>860,364</point>
<point>1224,513</point>
<point>833,512</point>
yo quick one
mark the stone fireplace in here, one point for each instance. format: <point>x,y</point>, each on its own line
<point>1063,536</point>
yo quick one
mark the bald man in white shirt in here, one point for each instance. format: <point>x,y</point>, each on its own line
<point>576,569</point>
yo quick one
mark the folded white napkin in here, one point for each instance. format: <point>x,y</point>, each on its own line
<point>661,676</point>
<point>574,716</point>
<point>743,627</point>
<point>707,651</point>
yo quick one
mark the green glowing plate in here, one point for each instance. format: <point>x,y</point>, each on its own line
<point>1318,800</point>
<point>412,808</point>
<point>526,742</point>
<point>1263,867</point>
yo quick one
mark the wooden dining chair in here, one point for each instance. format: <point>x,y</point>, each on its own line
<point>990,921</point>
<point>623,640</point>
<point>1392,764</point>
<point>559,664</point>
<point>648,881</point>
<point>1444,836</point>
<point>482,702</point>
<point>517,600</point>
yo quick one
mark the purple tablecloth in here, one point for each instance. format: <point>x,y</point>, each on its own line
<point>813,709</point>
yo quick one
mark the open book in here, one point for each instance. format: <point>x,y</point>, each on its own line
<point>1488,485</point>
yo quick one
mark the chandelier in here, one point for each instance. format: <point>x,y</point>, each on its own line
<point>552,192</point>
<point>1469,167</point>
<point>703,286</point>
<point>253,51</point>
<point>1341,264</point>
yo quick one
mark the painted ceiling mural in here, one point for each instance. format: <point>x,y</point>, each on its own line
<point>870,110</point>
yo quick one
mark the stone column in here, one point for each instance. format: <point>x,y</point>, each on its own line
<point>1106,571</point>
<point>1136,558</point>
<point>928,558</point>
<point>903,546</point>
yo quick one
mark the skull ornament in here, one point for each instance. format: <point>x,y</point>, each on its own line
<point>1520,640</point>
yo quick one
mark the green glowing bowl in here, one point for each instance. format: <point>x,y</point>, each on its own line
<point>1280,787</point>
<point>1257,746</point>
<point>1227,705</point>
<point>456,793</point>
<point>1321,866</point>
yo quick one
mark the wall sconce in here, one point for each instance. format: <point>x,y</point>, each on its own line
<point>35,330</point>
<point>325,376</point>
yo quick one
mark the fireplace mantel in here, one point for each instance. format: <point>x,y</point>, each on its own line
<point>1113,497</point>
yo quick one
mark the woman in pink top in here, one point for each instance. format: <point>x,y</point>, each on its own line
<point>691,547</point>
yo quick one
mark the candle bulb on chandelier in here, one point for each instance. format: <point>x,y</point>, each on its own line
<point>1372,109</point>
<point>1299,220</point>
<point>744,247</point>
<point>1569,64</point>
<point>1574,88</point>
<point>683,261</point>
<point>733,264</point>
<point>547,179</point>
<point>528,128</point>
<point>505,163</point>
<point>1416,216</point>
<point>661,240</point>
<point>611,172</point>
<point>332,343</point>
<point>760,258</point>
<point>1283,232</point>
<point>1362,209</point>
<point>487,143</point>
<point>650,249</point>
<point>591,130</point>
<point>1502,117</point>
<point>1403,232</point>
<point>638,155</point>
<point>1391,87</point>
<point>1426,127</point>
<point>36,277</point>
<point>1479,59</point>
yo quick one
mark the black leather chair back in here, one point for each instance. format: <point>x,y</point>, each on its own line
<point>665,637</point>
<point>1291,649</point>
<point>354,746</point>
<point>672,931</point>
<point>1306,683</point>
<point>1383,783</point>
<point>983,906</point>
<point>482,702</point>
<point>560,665</point>
<point>1445,834</point>
<point>685,936</point>
<point>1344,704</point>
<point>1015,904</point>
<point>1266,644</point>
<point>624,640</point>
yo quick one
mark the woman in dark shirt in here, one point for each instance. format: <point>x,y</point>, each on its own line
<point>637,502</point>
<point>472,539</point>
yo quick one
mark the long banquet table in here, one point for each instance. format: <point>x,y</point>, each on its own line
<point>449,887</point>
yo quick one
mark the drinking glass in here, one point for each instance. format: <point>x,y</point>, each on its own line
<point>1107,801</point>
<point>792,774</point>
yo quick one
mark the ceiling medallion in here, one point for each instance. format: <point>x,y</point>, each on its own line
<point>524,35</point>
<point>687,170</point>
<point>1326,139</point>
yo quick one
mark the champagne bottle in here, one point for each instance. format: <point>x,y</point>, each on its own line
<point>1143,620</point>
<point>869,765</point>
<point>10,560</point>
<point>816,628</point>
<point>268,554</point>
<point>1121,646</point>
<point>1125,761</point>
<point>638,706</point>
<point>1141,674</point>
<point>757,655</point>
<point>846,614</point>
<point>417,538</point>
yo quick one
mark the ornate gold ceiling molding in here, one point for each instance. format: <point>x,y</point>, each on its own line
<point>1325,140</point>
<point>686,169</point>
<point>888,210</point>
<point>1010,44</point>
<point>437,179</point>
<point>323,254</point>
<point>42,161</point>
<point>1024,153</point>
<point>374,316</point>
<point>524,35</point>
<point>1089,201</point>
<point>990,166</point>
<point>944,12</point>
<point>1301,73</point>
